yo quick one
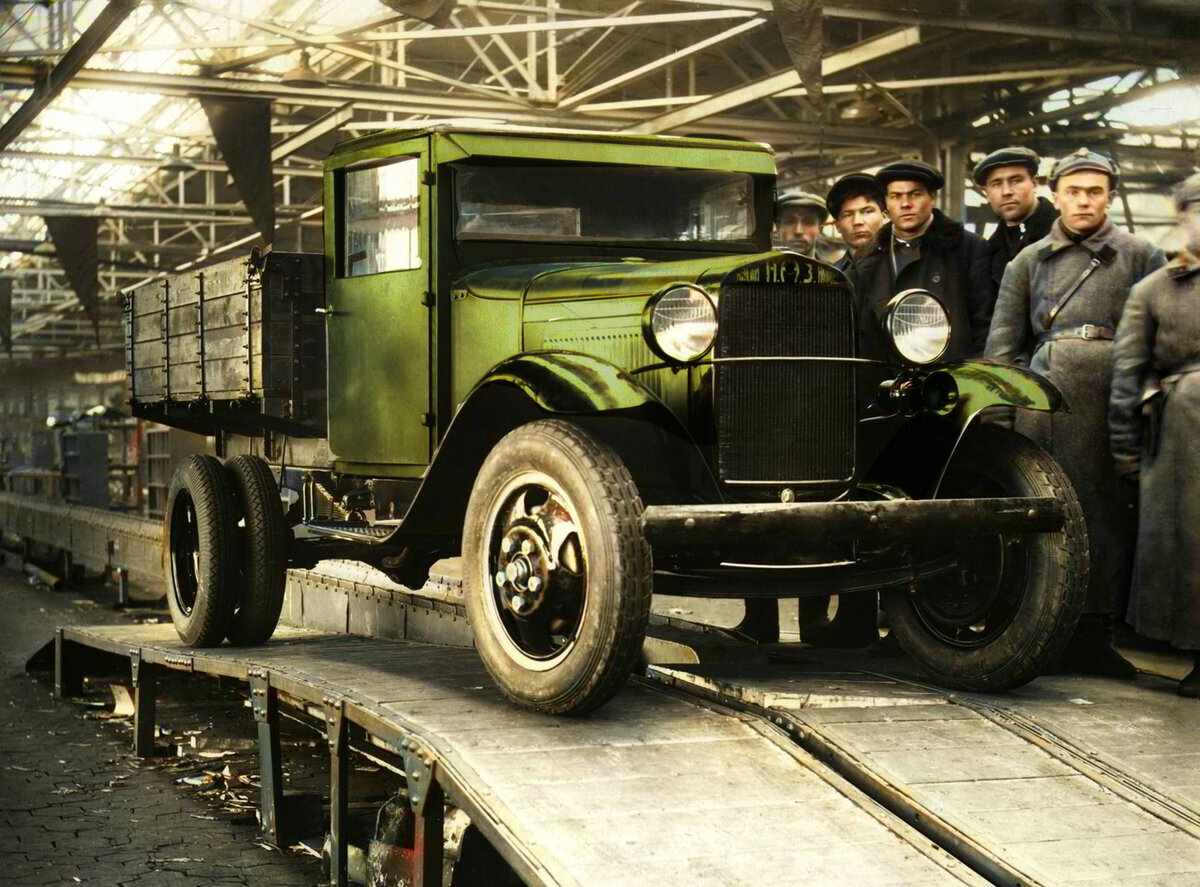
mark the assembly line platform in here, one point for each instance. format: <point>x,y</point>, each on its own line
<point>809,771</point>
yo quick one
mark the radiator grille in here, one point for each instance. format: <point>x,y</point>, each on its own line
<point>785,421</point>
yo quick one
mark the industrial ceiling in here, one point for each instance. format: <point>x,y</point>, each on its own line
<point>107,122</point>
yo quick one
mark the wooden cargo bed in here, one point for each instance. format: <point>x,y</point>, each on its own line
<point>237,346</point>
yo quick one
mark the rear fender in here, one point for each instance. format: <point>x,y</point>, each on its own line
<point>600,397</point>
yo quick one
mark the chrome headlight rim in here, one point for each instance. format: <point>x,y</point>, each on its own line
<point>889,319</point>
<point>654,304</point>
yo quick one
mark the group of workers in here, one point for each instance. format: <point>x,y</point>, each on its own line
<point>1100,312</point>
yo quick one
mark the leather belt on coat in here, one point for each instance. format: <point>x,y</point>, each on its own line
<point>1087,331</point>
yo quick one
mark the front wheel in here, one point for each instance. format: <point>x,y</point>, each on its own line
<point>557,573</point>
<point>1008,610</point>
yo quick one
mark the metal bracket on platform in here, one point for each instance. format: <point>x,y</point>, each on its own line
<point>260,687</point>
<point>428,803</point>
<point>135,664</point>
<point>183,663</point>
<point>418,772</point>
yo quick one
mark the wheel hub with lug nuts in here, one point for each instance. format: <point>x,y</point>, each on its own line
<point>524,564</point>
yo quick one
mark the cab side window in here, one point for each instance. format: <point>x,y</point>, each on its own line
<point>382,218</point>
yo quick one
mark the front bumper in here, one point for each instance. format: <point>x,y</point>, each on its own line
<point>671,526</point>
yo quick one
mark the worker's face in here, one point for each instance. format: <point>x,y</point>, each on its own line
<point>910,204</point>
<point>799,227</point>
<point>1189,220</point>
<point>858,221</point>
<point>1082,199</point>
<point>1011,192</point>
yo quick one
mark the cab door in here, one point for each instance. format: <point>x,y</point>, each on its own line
<point>378,324</point>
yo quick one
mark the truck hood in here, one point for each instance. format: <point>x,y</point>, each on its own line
<point>554,281</point>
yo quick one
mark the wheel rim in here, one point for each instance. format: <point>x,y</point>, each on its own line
<point>185,553</point>
<point>534,571</point>
<point>972,605</point>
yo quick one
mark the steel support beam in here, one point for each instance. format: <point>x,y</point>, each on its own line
<point>1095,71</point>
<point>659,64</point>
<point>145,704</point>
<point>851,57</point>
<point>1089,106</point>
<point>339,789</point>
<point>321,40</point>
<point>152,162</point>
<point>68,677</point>
<point>429,837</point>
<point>1018,26</point>
<point>264,700</point>
<point>47,88</point>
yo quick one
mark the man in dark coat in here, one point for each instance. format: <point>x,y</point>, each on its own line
<point>1057,312</point>
<point>921,247</point>
<point>855,203</point>
<point>1156,372</point>
<point>1008,179</point>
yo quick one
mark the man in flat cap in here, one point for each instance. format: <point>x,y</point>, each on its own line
<point>1008,179</point>
<point>922,247</point>
<point>855,203</point>
<point>1058,309</point>
<point>1154,423</point>
<point>799,216</point>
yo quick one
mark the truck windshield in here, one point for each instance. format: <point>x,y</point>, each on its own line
<point>596,203</point>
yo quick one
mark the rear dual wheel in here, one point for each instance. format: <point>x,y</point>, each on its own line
<point>225,551</point>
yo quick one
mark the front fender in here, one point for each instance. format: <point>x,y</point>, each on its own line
<point>981,384</point>
<point>570,382</point>
<point>917,456</point>
<point>599,396</point>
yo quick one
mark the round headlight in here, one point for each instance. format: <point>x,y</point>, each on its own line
<point>918,325</point>
<point>680,323</point>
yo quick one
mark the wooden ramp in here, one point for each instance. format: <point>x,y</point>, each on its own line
<point>1069,781</point>
<point>655,788</point>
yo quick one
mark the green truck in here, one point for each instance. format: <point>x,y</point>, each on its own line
<point>576,360</point>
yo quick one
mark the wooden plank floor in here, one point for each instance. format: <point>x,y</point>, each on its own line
<point>1049,812</point>
<point>1141,727</point>
<point>651,789</point>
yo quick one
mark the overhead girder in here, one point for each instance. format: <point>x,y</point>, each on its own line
<point>618,66</point>
<point>883,11</point>
<point>49,84</point>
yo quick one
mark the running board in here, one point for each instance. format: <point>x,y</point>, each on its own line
<point>357,531</point>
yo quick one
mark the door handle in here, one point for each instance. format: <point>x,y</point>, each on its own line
<point>327,311</point>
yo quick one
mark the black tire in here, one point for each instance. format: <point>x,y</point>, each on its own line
<point>551,502</point>
<point>262,551</point>
<point>1007,614</point>
<point>855,622</point>
<point>199,551</point>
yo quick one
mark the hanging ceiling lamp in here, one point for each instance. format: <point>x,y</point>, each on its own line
<point>303,75</point>
<point>862,109</point>
<point>177,162</point>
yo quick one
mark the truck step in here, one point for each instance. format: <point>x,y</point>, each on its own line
<point>359,531</point>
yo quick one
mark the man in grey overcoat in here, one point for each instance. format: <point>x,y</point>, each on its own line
<point>1058,309</point>
<point>1154,424</point>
